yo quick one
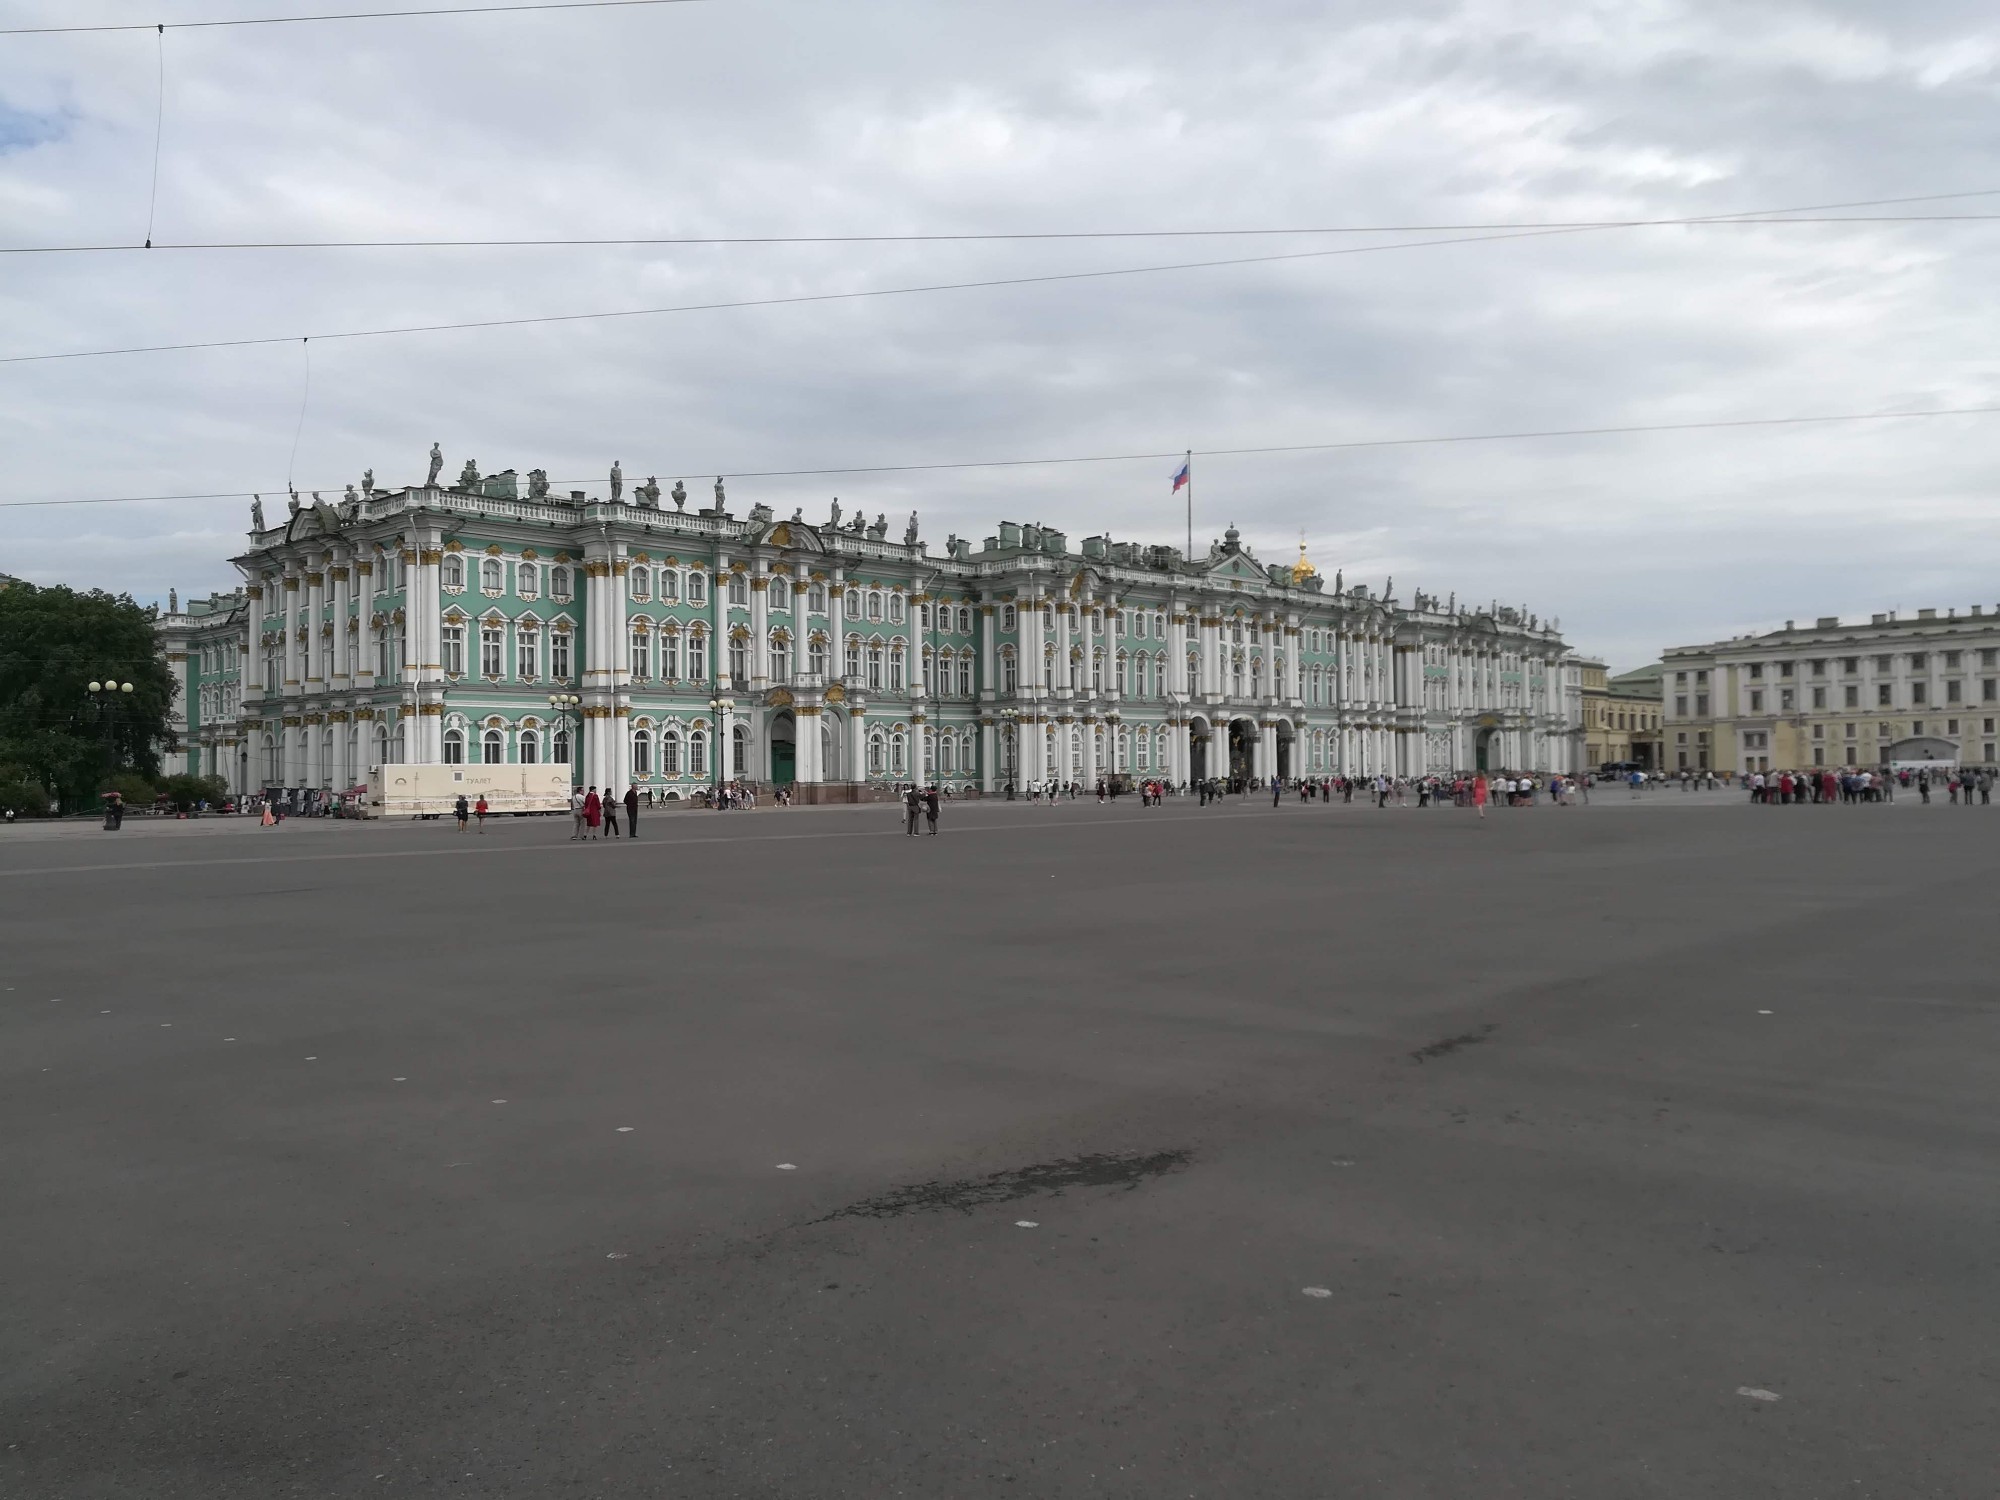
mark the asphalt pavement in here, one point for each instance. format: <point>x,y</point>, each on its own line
<point>1644,1149</point>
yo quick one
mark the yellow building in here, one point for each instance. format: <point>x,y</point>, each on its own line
<point>1621,716</point>
<point>1915,691</point>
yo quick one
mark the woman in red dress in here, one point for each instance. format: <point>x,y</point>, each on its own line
<point>1479,793</point>
<point>593,812</point>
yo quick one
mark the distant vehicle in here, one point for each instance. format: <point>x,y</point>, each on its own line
<point>1619,768</point>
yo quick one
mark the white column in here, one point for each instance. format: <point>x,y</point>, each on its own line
<point>857,746</point>
<point>253,661</point>
<point>294,673</point>
<point>836,628</point>
<point>342,673</point>
<point>988,618</point>
<point>760,624</point>
<point>315,678</point>
<point>364,609</point>
<point>1087,773</point>
<point>988,767</point>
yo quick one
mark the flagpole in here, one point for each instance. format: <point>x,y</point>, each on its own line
<point>1190,516</point>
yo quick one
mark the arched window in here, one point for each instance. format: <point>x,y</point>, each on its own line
<point>640,582</point>
<point>965,619</point>
<point>528,651</point>
<point>670,586</point>
<point>895,609</point>
<point>781,594</point>
<point>1097,671</point>
<point>528,579</point>
<point>878,749</point>
<point>947,755</point>
<point>816,599</point>
<point>781,656</point>
<point>454,747</point>
<point>697,586</point>
<point>560,753</point>
<point>698,753</point>
<point>852,667</point>
<point>739,657</point>
<point>739,749</point>
<point>897,666</point>
<point>492,650</point>
<point>670,752</point>
<point>1010,671</point>
<point>965,673</point>
<point>642,753</point>
<point>381,745</point>
<point>1007,617</point>
<point>739,589</point>
<point>274,772</point>
<point>1144,750</point>
<point>1193,674</point>
<point>451,572</point>
<point>875,666</point>
<point>531,747</point>
<point>875,605</point>
<point>559,584</point>
<point>492,576</point>
<point>899,752</point>
<point>817,656</point>
<point>493,748</point>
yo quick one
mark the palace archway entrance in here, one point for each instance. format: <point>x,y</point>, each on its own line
<point>1242,749</point>
<point>784,750</point>
<point>1286,756</point>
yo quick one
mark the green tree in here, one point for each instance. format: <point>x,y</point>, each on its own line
<point>184,791</point>
<point>54,642</point>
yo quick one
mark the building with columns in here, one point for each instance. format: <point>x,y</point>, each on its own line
<point>433,624</point>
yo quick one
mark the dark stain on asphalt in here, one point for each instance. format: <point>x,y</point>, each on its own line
<point>1452,1043</point>
<point>1109,1169</point>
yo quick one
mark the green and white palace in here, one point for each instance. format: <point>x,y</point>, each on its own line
<point>434,624</point>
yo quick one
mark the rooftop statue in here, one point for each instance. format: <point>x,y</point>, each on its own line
<point>538,484</point>
<point>437,466</point>
<point>617,481</point>
<point>719,498</point>
<point>367,481</point>
<point>468,476</point>
<point>257,512</point>
<point>834,524</point>
<point>910,531</point>
<point>680,494</point>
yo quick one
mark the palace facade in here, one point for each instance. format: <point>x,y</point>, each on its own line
<point>434,624</point>
<point>1901,690</point>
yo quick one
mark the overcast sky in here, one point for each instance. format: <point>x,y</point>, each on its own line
<point>753,117</point>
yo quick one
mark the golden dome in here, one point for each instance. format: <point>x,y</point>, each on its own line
<point>1303,568</point>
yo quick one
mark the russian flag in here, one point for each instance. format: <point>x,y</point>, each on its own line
<point>1181,478</point>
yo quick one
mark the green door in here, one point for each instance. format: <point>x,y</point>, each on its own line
<point>784,762</point>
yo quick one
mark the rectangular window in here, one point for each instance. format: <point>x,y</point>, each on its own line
<point>1885,695</point>
<point>1951,659</point>
<point>454,651</point>
<point>1701,705</point>
<point>1989,689</point>
<point>1819,755</point>
<point>1918,693</point>
<point>1819,697</point>
<point>1850,731</point>
<point>1787,699</point>
<point>1882,663</point>
<point>527,656</point>
<point>1701,679</point>
<point>1954,691</point>
<point>670,658</point>
<point>559,660</point>
<point>1851,696</point>
<point>1819,667</point>
<point>1756,702</point>
<point>698,658</point>
<point>1785,669</point>
<point>1680,679</point>
<point>1989,658</point>
<point>1918,661</point>
<point>1756,671</point>
<point>528,580</point>
<point>642,656</point>
<point>492,655</point>
<point>1951,726</point>
<point>1850,664</point>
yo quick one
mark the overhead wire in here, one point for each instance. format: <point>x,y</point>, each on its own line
<point>1160,455</point>
<point>348,15</point>
<point>800,299</point>
<point>1807,215</point>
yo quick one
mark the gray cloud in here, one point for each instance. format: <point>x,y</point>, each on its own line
<point>743,117</point>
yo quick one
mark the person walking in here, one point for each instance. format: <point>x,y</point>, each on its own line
<point>631,812</point>
<point>593,811</point>
<point>1277,790</point>
<point>479,811</point>
<point>461,810</point>
<point>576,812</point>
<point>931,810</point>
<point>1480,793</point>
<point>610,812</point>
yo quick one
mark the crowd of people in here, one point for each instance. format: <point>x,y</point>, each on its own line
<point>1798,788</point>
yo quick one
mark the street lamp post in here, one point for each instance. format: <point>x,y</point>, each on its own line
<point>721,708</point>
<point>106,694</point>
<point>567,708</point>
<point>1011,718</point>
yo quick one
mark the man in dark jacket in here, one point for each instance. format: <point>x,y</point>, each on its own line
<point>631,812</point>
<point>912,805</point>
<point>931,809</point>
